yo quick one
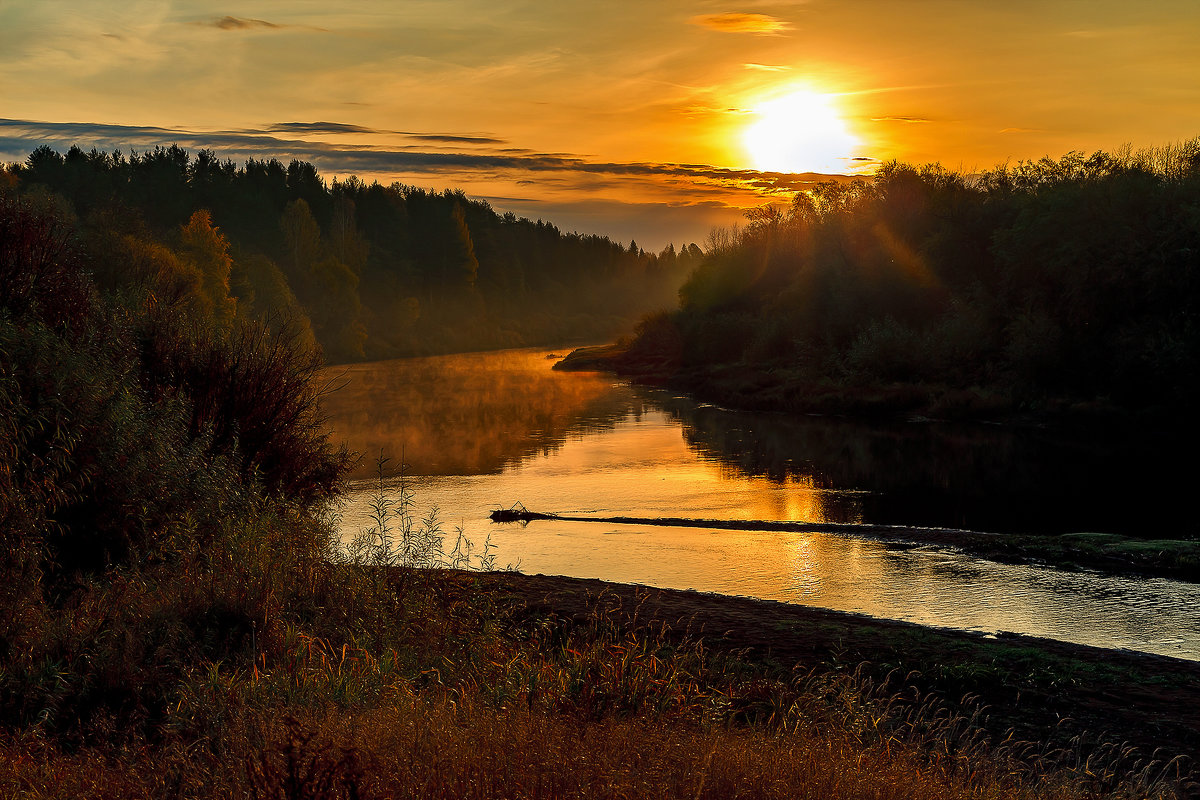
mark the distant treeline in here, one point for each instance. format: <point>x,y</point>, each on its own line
<point>369,271</point>
<point>1049,285</point>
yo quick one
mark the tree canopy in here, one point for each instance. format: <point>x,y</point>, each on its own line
<point>1072,280</point>
<point>372,271</point>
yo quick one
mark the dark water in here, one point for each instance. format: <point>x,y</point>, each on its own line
<point>484,431</point>
<point>974,476</point>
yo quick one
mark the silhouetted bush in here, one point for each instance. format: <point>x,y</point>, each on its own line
<point>657,338</point>
<point>163,481</point>
<point>252,395</point>
<point>40,273</point>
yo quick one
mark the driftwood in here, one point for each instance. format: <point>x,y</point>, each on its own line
<point>951,536</point>
<point>518,513</point>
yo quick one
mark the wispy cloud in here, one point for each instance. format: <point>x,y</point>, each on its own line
<point>736,22</point>
<point>767,67</point>
<point>906,120</point>
<point>318,127</point>
<point>1020,130</point>
<point>343,128</point>
<point>451,138</point>
<point>241,24</point>
<point>228,23</point>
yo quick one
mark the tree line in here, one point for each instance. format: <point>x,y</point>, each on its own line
<point>366,271</point>
<point>1051,284</point>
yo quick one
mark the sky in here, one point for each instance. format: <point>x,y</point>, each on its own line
<point>656,120</point>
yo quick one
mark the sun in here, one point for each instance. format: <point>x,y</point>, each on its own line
<point>800,132</point>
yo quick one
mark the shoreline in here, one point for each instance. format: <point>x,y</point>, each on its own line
<point>773,388</point>
<point>1177,559</point>
<point>1040,690</point>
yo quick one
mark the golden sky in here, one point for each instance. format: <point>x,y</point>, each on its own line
<point>624,118</point>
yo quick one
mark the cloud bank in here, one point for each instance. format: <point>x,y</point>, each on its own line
<point>18,137</point>
<point>678,202</point>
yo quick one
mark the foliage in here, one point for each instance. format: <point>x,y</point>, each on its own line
<point>374,271</point>
<point>160,472</point>
<point>1052,282</point>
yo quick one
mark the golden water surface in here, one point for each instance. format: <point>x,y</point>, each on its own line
<point>484,431</point>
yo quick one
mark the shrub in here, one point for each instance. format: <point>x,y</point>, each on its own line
<point>162,489</point>
<point>40,272</point>
<point>253,396</point>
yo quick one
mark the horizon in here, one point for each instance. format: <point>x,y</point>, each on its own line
<point>650,124</point>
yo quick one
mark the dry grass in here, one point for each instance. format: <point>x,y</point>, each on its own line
<point>445,748</point>
<point>555,709</point>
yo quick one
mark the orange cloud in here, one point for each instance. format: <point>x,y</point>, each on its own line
<point>741,23</point>
<point>906,120</point>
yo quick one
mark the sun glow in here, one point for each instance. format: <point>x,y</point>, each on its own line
<point>800,132</point>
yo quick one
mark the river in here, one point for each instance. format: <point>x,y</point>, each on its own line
<point>482,431</point>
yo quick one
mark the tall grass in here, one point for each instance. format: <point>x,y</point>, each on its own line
<point>510,717</point>
<point>400,538</point>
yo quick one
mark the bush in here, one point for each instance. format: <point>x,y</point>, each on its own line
<point>163,488</point>
<point>657,339</point>
<point>40,271</point>
<point>253,397</point>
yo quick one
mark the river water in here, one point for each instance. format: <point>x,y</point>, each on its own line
<point>483,431</point>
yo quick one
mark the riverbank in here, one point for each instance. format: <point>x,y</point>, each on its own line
<point>1050,693</point>
<point>776,388</point>
<point>442,683</point>
<point>753,388</point>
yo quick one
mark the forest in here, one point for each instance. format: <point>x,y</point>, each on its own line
<point>1060,285</point>
<point>179,619</point>
<point>365,271</point>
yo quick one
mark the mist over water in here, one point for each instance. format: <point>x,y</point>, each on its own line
<point>465,414</point>
<point>485,431</point>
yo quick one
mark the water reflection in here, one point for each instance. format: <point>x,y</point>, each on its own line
<point>926,586</point>
<point>485,431</point>
<point>974,476</point>
<point>478,413</point>
<point>466,414</point>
